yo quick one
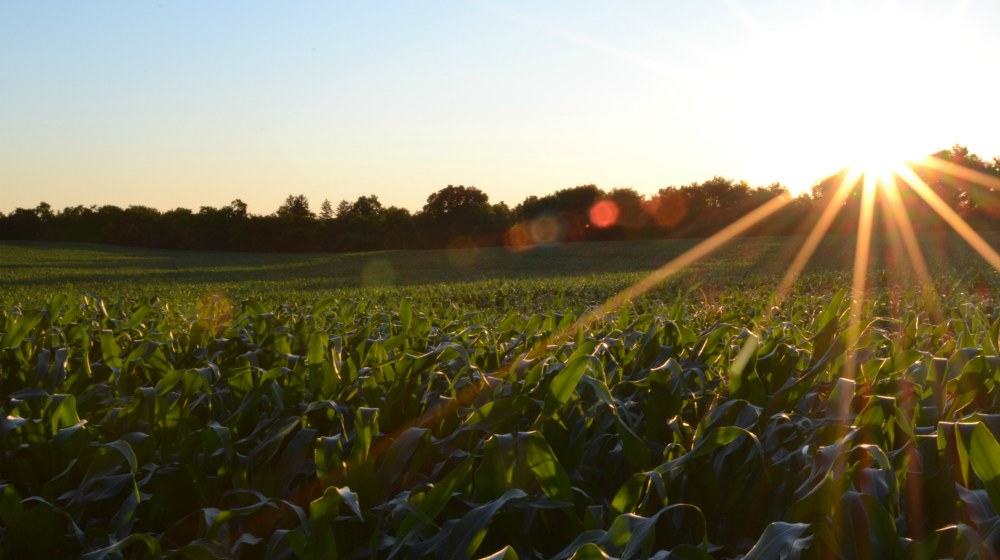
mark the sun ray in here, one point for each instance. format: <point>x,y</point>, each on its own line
<point>654,278</point>
<point>960,171</point>
<point>895,265</point>
<point>950,216</point>
<point>989,197</point>
<point>816,235</point>
<point>686,259</point>
<point>897,212</point>
<point>862,253</point>
<point>716,241</point>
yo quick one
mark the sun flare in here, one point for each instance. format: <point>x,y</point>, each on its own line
<point>854,89</point>
<point>879,163</point>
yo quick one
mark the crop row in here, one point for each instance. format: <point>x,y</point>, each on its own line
<point>671,429</point>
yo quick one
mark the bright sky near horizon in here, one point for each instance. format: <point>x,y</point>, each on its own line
<point>189,103</point>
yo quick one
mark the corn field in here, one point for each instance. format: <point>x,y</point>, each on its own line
<point>470,420</point>
<point>683,426</point>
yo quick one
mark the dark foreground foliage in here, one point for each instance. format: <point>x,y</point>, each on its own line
<point>352,429</point>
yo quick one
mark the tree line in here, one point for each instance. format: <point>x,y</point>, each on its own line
<point>463,216</point>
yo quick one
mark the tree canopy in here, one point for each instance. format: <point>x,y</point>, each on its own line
<point>459,215</point>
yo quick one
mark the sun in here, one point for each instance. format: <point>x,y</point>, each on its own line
<point>850,89</point>
<point>880,161</point>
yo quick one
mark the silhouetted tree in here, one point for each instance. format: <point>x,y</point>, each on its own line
<point>631,208</point>
<point>295,208</point>
<point>463,216</point>
<point>359,224</point>
<point>460,214</point>
<point>44,211</point>
<point>399,230</point>
<point>570,207</point>
<point>238,209</point>
<point>326,210</point>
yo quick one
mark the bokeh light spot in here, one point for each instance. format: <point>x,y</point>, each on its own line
<point>668,209</point>
<point>214,312</point>
<point>604,214</point>
<point>518,238</point>
<point>545,230</point>
<point>378,272</point>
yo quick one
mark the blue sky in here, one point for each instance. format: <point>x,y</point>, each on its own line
<point>189,103</point>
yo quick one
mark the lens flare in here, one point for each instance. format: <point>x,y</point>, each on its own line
<point>950,216</point>
<point>897,212</point>
<point>667,209</point>
<point>545,230</point>
<point>877,179</point>
<point>862,253</point>
<point>604,214</point>
<point>518,238</point>
<point>816,235</point>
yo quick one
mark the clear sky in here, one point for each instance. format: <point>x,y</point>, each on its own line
<point>191,103</point>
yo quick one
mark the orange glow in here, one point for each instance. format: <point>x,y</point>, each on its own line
<point>214,312</point>
<point>860,276</point>
<point>517,238</point>
<point>988,198</point>
<point>959,171</point>
<point>897,211</point>
<point>604,214</point>
<point>545,230</point>
<point>653,279</point>
<point>954,220</point>
<point>816,235</point>
<point>667,209</point>
<point>681,262</point>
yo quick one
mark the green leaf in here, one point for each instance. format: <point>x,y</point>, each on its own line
<point>550,473</point>
<point>316,352</point>
<point>64,414</point>
<point>459,538</point>
<point>427,505</point>
<point>19,330</point>
<point>365,431</point>
<point>406,315</point>
<point>563,385</point>
<point>110,353</point>
<point>636,451</point>
<point>780,540</point>
<point>327,506</point>
<point>146,541</point>
<point>984,455</point>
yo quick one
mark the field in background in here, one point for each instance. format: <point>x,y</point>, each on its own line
<point>29,271</point>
